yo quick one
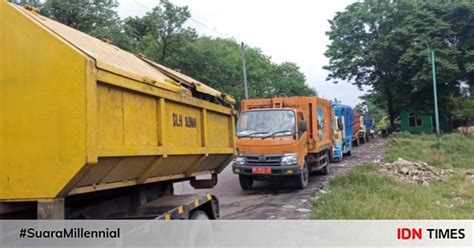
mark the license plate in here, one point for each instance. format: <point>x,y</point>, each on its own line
<point>261,170</point>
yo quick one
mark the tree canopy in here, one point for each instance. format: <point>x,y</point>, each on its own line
<point>382,44</point>
<point>84,15</point>
<point>162,36</point>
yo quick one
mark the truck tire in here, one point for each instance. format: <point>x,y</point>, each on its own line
<point>246,182</point>
<point>198,215</point>
<point>325,169</point>
<point>301,180</point>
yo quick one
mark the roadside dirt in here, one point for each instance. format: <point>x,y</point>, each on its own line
<point>419,172</point>
<point>414,171</point>
<point>269,200</point>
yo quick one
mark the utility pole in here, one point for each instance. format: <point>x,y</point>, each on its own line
<point>244,69</point>
<point>433,68</point>
<point>431,56</point>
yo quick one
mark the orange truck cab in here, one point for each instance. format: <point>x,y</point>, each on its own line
<point>283,138</point>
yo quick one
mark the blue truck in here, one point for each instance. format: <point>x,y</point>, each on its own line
<point>343,130</point>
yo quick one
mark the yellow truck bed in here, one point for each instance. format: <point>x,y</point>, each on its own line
<point>78,114</point>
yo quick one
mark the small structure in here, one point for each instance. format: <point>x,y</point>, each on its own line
<point>420,123</point>
<point>416,123</point>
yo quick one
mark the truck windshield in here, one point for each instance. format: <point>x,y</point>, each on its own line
<point>262,123</point>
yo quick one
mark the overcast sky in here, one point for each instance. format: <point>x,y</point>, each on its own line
<point>285,30</point>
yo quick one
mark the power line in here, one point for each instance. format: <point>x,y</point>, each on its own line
<point>142,5</point>
<point>202,24</point>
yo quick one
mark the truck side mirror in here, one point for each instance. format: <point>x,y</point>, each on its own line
<point>302,127</point>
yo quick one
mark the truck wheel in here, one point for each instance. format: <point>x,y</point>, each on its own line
<point>199,215</point>
<point>325,169</point>
<point>246,182</point>
<point>302,179</point>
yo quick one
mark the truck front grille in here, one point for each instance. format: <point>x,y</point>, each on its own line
<point>263,160</point>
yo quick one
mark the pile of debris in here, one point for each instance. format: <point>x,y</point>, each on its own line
<point>414,172</point>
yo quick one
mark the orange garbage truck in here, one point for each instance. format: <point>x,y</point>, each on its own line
<point>281,138</point>
<point>356,129</point>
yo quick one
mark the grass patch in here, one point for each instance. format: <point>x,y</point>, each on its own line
<point>364,194</point>
<point>456,150</point>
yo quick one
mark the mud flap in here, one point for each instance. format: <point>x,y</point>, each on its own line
<point>204,184</point>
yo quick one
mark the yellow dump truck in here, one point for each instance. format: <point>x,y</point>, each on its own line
<point>88,130</point>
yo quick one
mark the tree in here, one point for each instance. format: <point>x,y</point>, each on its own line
<point>217,63</point>
<point>462,108</point>
<point>461,18</point>
<point>84,15</point>
<point>358,53</point>
<point>160,31</point>
<point>98,18</point>
<point>288,80</point>
<point>35,3</point>
<point>380,44</point>
<point>372,109</point>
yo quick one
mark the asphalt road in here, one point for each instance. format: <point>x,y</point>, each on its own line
<point>271,200</point>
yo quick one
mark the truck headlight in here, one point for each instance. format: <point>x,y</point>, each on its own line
<point>289,159</point>
<point>239,160</point>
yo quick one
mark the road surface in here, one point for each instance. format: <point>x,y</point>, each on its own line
<point>270,200</point>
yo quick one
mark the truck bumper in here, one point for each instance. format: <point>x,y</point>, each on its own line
<point>289,170</point>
